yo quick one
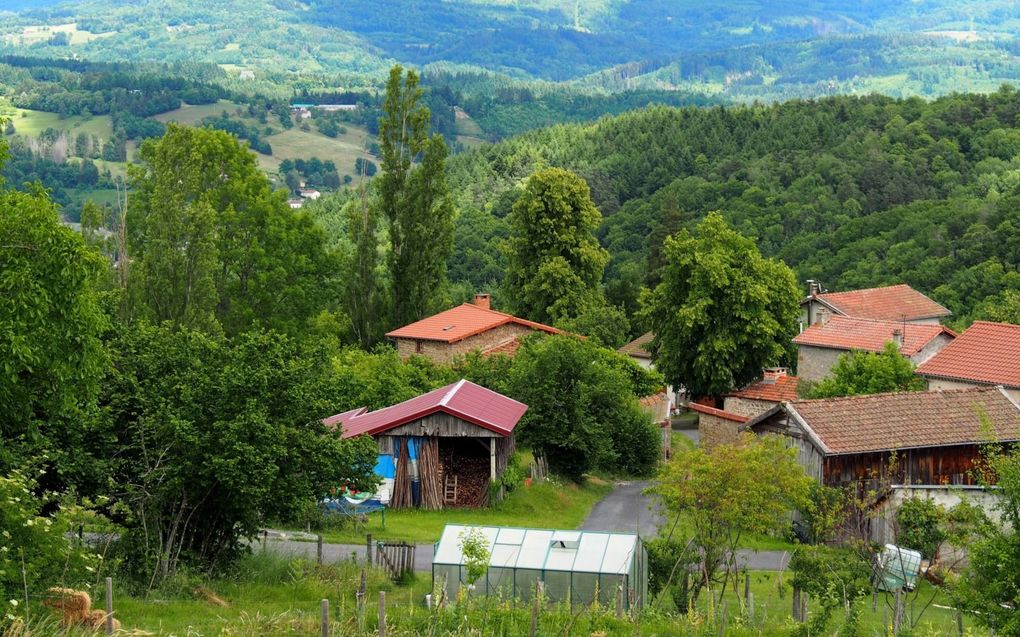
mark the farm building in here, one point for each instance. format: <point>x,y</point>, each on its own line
<point>572,565</point>
<point>465,328</point>
<point>937,436</point>
<point>440,449</point>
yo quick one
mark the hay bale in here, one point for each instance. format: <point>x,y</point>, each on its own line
<point>68,600</point>
<point>96,620</point>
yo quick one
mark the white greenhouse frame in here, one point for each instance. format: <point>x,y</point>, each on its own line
<point>574,566</point>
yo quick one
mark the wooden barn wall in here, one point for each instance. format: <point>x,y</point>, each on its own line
<point>807,455</point>
<point>930,466</point>
<point>443,426</point>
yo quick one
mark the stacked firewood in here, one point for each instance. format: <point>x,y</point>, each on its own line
<point>472,477</point>
<point>430,474</point>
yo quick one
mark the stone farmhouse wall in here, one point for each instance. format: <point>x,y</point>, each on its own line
<point>440,352</point>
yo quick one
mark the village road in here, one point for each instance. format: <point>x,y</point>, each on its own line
<point>626,510</point>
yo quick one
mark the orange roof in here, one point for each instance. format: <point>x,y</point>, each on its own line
<point>890,303</point>
<point>867,335</point>
<point>508,348</point>
<point>904,420</point>
<point>775,391</point>
<point>638,348</point>
<point>984,353</point>
<point>462,322</point>
<point>718,413</point>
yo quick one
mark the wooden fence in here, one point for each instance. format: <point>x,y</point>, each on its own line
<point>396,558</point>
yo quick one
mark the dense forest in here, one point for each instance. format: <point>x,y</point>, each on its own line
<point>850,191</point>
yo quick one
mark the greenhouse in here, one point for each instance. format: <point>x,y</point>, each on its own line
<point>574,565</point>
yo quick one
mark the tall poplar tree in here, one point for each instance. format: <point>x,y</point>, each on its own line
<point>414,199</point>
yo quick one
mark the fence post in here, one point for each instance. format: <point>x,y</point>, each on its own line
<point>898,614</point>
<point>796,605</point>
<point>318,549</point>
<point>539,589</point>
<point>109,605</point>
<point>325,617</point>
<point>368,550</point>
<point>382,613</point>
<point>747,588</point>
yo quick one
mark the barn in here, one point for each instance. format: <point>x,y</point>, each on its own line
<point>441,449</point>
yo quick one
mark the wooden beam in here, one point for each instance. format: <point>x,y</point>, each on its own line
<point>492,459</point>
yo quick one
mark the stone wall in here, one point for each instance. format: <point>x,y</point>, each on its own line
<point>713,430</point>
<point>931,348</point>
<point>883,525</point>
<point>815,363</point>
<point>935,384</point>
<point>746,406</point>
<point>440,352</point>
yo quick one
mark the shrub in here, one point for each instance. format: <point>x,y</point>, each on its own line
<point>919,526</point>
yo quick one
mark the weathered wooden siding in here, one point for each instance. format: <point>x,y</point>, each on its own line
<point>442,425</point>
<point>930,466</point>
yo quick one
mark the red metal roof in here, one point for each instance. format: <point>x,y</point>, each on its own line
<point>333,421</point>
<point>718,413</point>
<point>464,400</point>
<point>638,348</point>
<point>776,391</point>
<point>461,322</point>
<point>868,335</point>
<point>890,303</point>
<point>984,353</point>
<point>907,420</point>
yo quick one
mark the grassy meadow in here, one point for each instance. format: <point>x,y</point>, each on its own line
<point>32,123</point>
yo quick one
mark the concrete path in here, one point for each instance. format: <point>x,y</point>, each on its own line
<point>626,510</point>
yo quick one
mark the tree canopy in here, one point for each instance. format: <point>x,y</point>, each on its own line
<point>857,373</point>
<point>722,311</point>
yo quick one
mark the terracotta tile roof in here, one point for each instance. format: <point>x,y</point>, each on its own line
<point>868,335</point>
<point>776,391</point>
<point>463,399</point>
<point>890,303</point>
<point>462,322</point>
<point>718,413</point>
<point>984,353</point>
<point>906,420</point>
<point>638,347</point>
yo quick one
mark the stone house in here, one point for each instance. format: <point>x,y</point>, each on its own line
<point>900,303</point>
<point>717,426</point>
<point>638,351</point>
<point>819,346</point>
<point>463,329</point>
<point>985,354</point>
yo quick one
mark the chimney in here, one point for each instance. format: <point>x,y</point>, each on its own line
<point>897,337</point>
<point>483,301</point>
<point>770,375</point>
<point>814,288</point>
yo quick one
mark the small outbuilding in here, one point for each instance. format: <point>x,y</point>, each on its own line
<point>441,449</point>
<point>578,566</point>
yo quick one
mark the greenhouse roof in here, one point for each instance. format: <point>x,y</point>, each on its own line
<point>544,549</point>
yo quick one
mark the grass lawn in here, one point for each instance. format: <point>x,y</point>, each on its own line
<point>775,608</point>
<point>31,123</point>
<point>298,144</point>
<point>547,505</point>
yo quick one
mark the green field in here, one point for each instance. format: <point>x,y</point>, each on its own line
<point>298,144</point>
<point>32,123</point>
<point>192,114</point>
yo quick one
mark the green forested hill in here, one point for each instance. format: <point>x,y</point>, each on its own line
<point>850,191</point>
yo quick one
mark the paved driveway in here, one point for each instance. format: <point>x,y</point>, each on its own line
<point>626,510</point>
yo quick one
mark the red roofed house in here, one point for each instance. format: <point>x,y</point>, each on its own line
<point>984,354</point>
<point>717,426</point>
<point>900,303</point>
<point>819,346</point>
<point>937,437</point>
<point>465,328</point>
<point>440,449</point>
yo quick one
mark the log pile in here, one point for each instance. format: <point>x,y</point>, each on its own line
<point>430,474</point>
<point>401,496</point>
<point>472,477</point>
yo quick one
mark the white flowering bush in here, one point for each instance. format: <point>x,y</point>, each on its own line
<point>38,548</point>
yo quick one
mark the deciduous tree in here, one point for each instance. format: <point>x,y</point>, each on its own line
<point>722,312</point>
<point>857,373</point>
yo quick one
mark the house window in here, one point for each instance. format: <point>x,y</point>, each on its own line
<point>419,347</point>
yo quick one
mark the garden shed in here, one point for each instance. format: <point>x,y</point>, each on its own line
<point>574,565</point>
<point>441,449</point>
